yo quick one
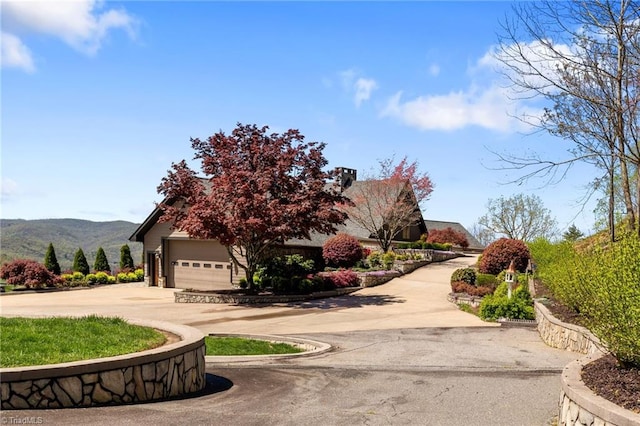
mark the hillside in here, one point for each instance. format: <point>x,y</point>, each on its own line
<point>29,239</point>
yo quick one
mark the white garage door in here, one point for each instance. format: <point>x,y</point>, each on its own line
<point>200,265</point>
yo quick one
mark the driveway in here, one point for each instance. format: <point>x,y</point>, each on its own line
<point>402,355</point>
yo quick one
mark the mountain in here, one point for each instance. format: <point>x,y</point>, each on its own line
<point>29,239</point>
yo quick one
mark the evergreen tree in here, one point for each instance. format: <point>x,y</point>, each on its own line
<point>101,264</point>
<point>80,263</point>
<point>126,261</point>
<point>572,234</point>
<point>51,261</point>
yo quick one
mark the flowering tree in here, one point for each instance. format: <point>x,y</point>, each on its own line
<point>388,202</point>
<point>259,190</point>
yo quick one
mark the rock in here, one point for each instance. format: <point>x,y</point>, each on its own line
<point>73,387</point>
<point>113,381</point>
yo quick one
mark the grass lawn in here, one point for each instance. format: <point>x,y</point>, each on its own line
<point>240,346</point>
<point>37,341</point>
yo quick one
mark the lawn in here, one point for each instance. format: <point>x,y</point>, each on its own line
<point>38,341</point>
<point>229,346</point>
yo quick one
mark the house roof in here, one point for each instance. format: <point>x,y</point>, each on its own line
<point>317,240</point>
<point>439,225</point>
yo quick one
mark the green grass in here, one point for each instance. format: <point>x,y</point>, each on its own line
<point>38,341</point>
<point>222,346</point>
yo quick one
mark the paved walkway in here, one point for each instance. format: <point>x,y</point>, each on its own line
<point>416,300</point>
<point>402,355</point>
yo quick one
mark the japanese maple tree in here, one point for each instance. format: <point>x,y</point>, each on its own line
<point>258,190</point>
<point>388,201</point>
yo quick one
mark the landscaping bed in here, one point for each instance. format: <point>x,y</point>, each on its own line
<point>604,376</point>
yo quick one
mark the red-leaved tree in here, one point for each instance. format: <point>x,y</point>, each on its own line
<point>388,201</point>
<point>448,235</point>
<point>258,190</point>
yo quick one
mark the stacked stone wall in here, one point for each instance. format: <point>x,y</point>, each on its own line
<point>168,371</point>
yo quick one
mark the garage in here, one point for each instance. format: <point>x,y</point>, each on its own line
<point>199,265</point>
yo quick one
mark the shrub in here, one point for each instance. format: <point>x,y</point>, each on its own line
<point>467,275</point>
<point>29,273</point>
<point>111,279</point>
<point>471,290</point>
<point>603,283</point>
<point>126,261</point>
<point>101,264</point>
<point>77,276</point>
<point>102,277</point>
<point>122,277</point>
<point>342,278</point>
<point>498,305</point>
<point>51,261</point>
<point>374,259</point>
<point>487,280</point>
<point>139,274</point>
<point>285,266</point>
<point>499,254</point>
<point>342,250</point>
<point>91,278</point>
<point>387,260</point>
<point>80,263</point>
<point>448,235</point>
<point>132,277</point>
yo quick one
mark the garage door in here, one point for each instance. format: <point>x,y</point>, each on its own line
<point>200,265</point>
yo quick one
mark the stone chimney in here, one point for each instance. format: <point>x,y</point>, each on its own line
<point>345,177</point>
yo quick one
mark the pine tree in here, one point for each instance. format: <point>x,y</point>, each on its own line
<point>101,264</point>
<point>80,263</point>
<point>126,261</point>
<point>51,261</point>
<point>572,234</point>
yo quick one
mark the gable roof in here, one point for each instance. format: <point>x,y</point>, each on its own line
<point>439,225</point>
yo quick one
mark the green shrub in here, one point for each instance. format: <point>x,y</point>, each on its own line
<point>102,278</point>
<point>387,260</point>
<point>122,277</point>
<point>80,263</point>
<point>78,276</point>
<point>498,305</point>
<point>499,254</point>
<point>91,278</point>
<point>607,283</point>
<point>126,261</point>
<point>139,274</point>
<point>374,260</point>
<point>467,275</point>
<point>51,261</point>
<point>101,263</point>
<point>111,279</point>
<point>487,280</point>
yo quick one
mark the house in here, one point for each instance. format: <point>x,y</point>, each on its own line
<point>173,259</point>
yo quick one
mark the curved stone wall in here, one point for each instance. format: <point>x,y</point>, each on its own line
<point>167,371</point>
<point>580,406</point>
<point>561,335</point>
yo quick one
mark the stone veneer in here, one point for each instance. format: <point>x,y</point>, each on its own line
<point>167,371</point>
<point>579,405</point>
<point>561,335</point>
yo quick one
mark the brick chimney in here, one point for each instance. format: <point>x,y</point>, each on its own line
<point>345,177</point>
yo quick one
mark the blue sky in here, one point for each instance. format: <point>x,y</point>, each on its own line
<point>99,98</point>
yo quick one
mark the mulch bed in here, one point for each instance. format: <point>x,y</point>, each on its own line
<point>605,377</point>
<point>609,380</point>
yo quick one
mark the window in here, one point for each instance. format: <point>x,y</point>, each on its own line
<point>185,264</point>
<point>206,265</point>
<point>218,266</point>
<point>196,265</point>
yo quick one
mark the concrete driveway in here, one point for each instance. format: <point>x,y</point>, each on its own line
<point>402,355</point>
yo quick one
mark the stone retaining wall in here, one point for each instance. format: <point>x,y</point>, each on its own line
<point>372,279</point>
<point>167,371</point>
<point>579,406</point>
<point>558,334</point>
<point>243,299</point>
<point>465,299</point>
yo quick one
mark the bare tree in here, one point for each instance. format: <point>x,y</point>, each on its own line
<point>520,217</point>
<point>583,58</point>
<point>484,235</point>
<point>387,202</point>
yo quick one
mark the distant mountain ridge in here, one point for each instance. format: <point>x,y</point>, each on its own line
<point>29,239</point>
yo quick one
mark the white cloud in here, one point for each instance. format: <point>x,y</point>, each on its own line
<point>82,24</point>
<point>434,70</point>
<point>487,101</point>
<point>360,87</point>
<point>14,54</point>
<point>8,188</point>
<point>364,87</point>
